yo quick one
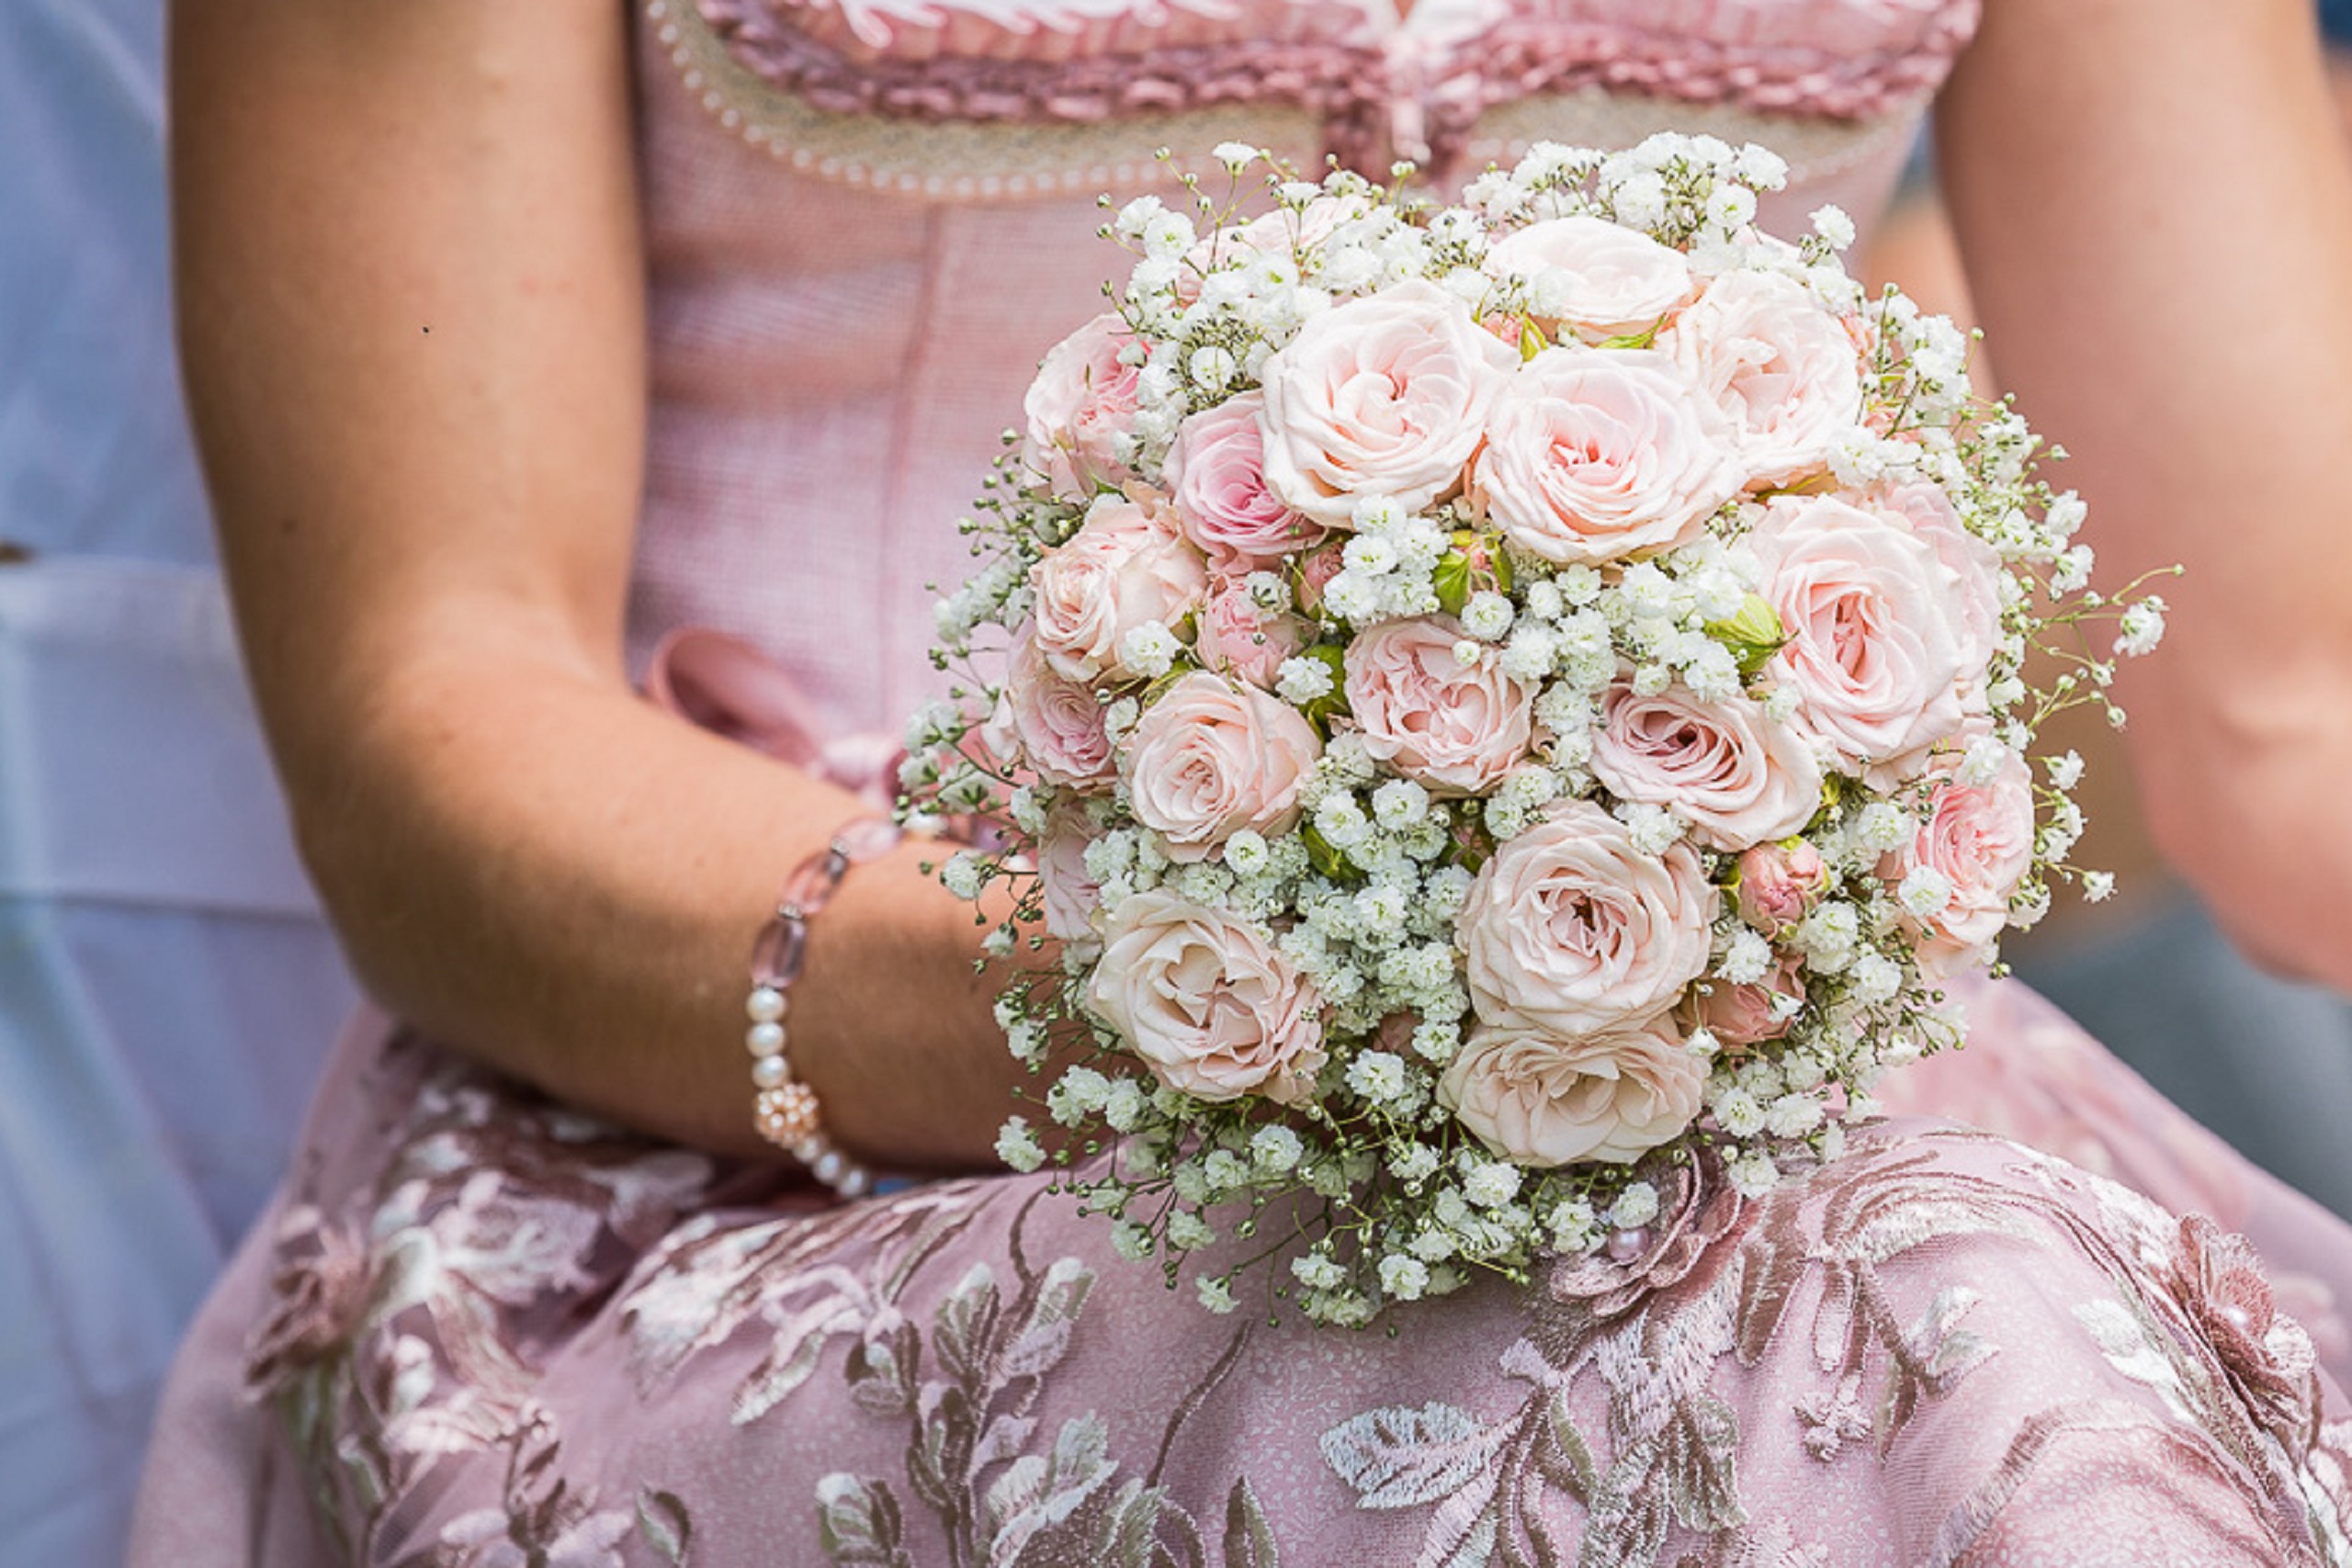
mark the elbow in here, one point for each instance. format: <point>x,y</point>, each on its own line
<point>2256,825</point>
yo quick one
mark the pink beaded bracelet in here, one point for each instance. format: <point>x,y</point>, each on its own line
<point>785,1110</point>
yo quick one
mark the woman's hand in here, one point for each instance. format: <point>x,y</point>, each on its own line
<point>413,316</point>
<point>2154,204</point>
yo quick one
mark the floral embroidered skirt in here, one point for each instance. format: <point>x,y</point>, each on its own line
<point>480,1329</point>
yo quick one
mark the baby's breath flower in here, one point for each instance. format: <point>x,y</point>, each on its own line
<point>1017,1146</point>
<point>1925,892</point>
<point>1487,616</point>
<point>1402,1278</point>
<point>1275,1149</point>
<point>1747,958</point>
<point>1636,1205</point>
<point>1379,1077</point>
<point>962,875</point>
<point>1490,1182</point>
<point>1187,1232</point>
<point>1753,1175</point>
<point>2141,627</point>
<point>1317,1271</point>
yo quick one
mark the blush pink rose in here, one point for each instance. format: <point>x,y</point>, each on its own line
<point>1126,566</point>
<point>1056,724</point>
<point>1082,401</point>
<point>1975,567</point>
<point>1232,634</point>
<point>1779,883</point>
<point>1783,368</point>
<point>1383,396</point>
<point>1738,777</point>
<point>1592,454</point>
<point>1980,837</point>
<point>1208,1003</point>
<point>1599,280</point>
<point>1068,891</point>
<point>1211,758</point>
<point>1284,234</point>
<point>1569,928</point>
<point>1877,650</point>
<point>1457,728</point>
<point>1546,1101</point>
<point>1216,482</point>
<point>1742,1016</point>
<point>1315,569</point>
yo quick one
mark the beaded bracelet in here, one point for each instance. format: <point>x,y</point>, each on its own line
<point>786,1110</point>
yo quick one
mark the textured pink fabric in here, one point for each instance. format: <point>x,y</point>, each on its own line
<point>833,363</point>
<point>484,1330</point>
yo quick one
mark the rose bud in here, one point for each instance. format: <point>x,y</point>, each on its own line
<point>1779,883</point>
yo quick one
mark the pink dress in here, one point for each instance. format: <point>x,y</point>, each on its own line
<point>482,1329</point>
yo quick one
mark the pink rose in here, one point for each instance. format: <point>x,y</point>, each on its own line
<point>1124,567</point>
<point>1234,635</point>
<point>1779,883</point>
<point>1318,568</point>
<point>1209,1003</point>
<point>1876,652</point>
<point>1211,758</point>
<point>1384,396</point>
<point>1283,235</point>
<point>1783,368</point>
<point>1980,839</point>
<point>1056,722</point>
<point>1601,280</point>
<point>1455,728</point>
<point>1738,777</point>
<point>1742,1016</point>
<point>1068,890</point>
<point>1544,1100</point>
<point>1592,454</point>
<point>1216,482</point>
<point>1082,402</point>
<point>1975,567</point>
<point>1569,928</point>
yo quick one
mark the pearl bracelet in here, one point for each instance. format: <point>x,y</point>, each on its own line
<point>786,1110</point>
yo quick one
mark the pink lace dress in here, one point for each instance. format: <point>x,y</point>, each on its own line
<point>482,1329</point>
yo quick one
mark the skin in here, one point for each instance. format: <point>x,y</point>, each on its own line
<point>412,303</point>
<point>2152,204</point>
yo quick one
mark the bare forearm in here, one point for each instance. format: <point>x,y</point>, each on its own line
<point>564,882</point>
<point>412,318</point>
<point>2154,204</point>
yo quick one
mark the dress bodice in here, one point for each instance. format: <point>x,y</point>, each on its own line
<point>867,218</point>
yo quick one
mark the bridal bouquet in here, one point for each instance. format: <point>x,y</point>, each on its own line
<point>1489,697</point>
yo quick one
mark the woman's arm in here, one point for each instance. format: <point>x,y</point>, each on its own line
<point>411,306</point>
<point>2155,209</point>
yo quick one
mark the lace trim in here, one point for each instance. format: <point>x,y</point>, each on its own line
<point>1039,60</point>
<point>958,154</point>
<point>1534,53</point>
<point>981,127</point>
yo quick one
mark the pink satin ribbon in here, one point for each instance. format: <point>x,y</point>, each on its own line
<point>729,687</point>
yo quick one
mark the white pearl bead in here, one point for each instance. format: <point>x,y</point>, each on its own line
<point>807,1150</point>
<point>828,1167</point>
<point>852,1183</point>
<point>771,1072</point>
<point>764,1039</point>
<point>764,1005</point>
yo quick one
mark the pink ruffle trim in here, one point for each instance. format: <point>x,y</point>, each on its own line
<point>1837,59</point>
